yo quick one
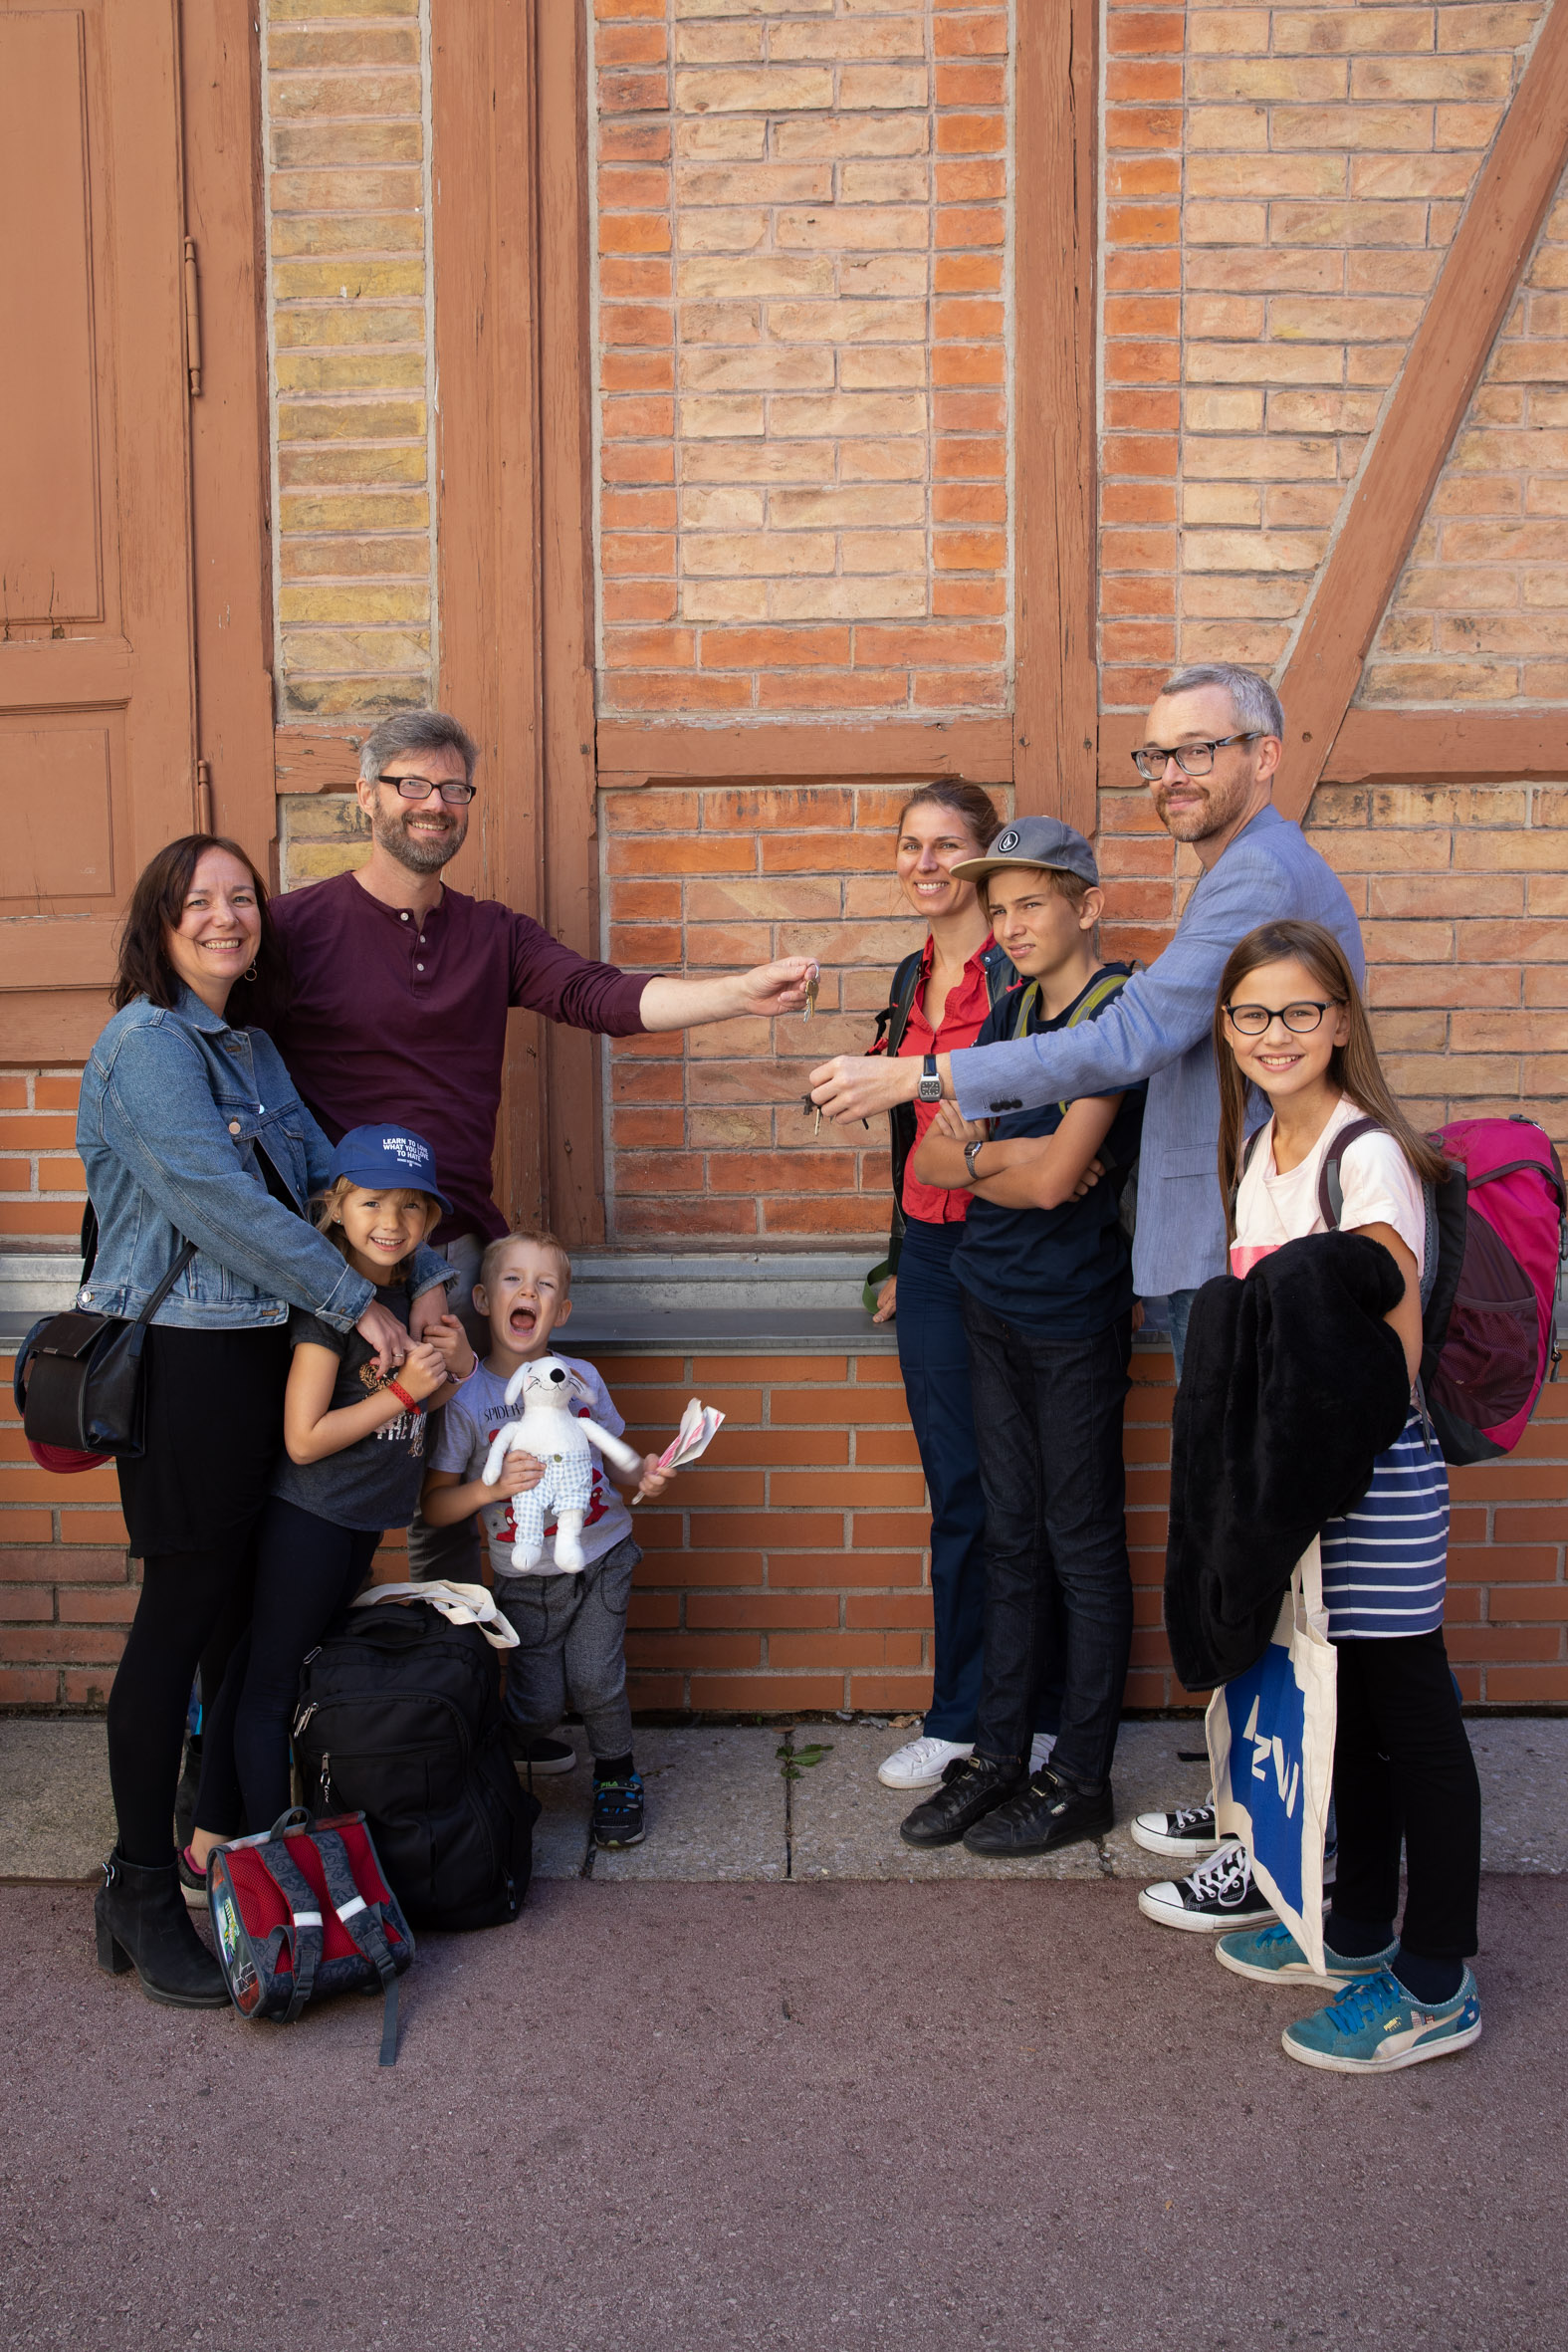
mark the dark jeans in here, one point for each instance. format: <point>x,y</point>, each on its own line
<point>307,1571</point>
<point>1179,1305</point>
<point>932,1356</point>
<point>1049,1413</point>
<point>1402,1762</point>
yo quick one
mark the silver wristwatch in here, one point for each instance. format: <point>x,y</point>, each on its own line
<point>970,1149</point>
<point>930,1087</point>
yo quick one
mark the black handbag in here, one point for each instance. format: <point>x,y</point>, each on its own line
<point>78,1382</point>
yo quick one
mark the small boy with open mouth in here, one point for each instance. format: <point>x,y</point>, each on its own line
<point>571,1624</point>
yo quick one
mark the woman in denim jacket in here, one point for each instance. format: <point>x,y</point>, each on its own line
<point>190,1130</point>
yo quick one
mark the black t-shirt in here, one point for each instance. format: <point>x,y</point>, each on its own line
<point>375,1482</point>
<point>1065,1273</point>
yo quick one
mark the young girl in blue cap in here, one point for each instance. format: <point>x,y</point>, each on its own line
<point>351,1468</point>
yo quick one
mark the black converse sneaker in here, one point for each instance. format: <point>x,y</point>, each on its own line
<point>1219,1893</point>
<point>1189,1834</point>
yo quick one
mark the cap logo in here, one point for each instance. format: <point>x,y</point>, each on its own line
<point>405,1148</point>
<point>1009,840</point>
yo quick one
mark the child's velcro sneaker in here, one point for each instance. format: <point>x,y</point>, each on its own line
<point>618,1812</point>
<point>1377,2027</point>
<point>1271,1956</point>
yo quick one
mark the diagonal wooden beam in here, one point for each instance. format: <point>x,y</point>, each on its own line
<point>1451,344</point>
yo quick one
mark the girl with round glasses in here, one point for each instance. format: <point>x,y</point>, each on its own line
<point>1289,1021</point>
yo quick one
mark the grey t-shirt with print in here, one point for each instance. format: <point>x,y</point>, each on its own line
<point>375,1482</point>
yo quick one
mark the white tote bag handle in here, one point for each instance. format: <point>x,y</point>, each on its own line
<point>459,1604</point>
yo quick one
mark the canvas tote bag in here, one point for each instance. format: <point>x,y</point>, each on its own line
<point>1272,1751</point>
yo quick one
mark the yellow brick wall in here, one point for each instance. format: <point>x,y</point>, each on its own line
<point>345,105</point>
<point>1481,614</point>
<point>1279,188</point>
<point>803,300</point>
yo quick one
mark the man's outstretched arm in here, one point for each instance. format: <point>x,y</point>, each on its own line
<point>767,989</point>
<point>1157,1017</point>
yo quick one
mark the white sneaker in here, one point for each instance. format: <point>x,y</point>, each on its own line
<point>1041,1749</point>
<point>920,1763</point>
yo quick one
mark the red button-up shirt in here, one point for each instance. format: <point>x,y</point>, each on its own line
<point>967,1004</point>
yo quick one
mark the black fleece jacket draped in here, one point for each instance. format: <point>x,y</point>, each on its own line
<point>1291,1386</point>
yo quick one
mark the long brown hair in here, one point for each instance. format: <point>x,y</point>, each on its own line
<point>156,906</point>
<point>1353,1067</point>
<point>971,802</point>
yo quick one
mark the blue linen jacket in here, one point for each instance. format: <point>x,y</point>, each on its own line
<point>173,1105</point>
<point>1160,1029</point>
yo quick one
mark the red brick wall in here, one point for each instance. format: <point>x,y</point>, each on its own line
<point>791,1571</point>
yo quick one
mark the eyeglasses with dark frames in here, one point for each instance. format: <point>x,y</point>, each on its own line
<point>419,787</point>
<point>1254,1021</point>
<point>1193,759</point>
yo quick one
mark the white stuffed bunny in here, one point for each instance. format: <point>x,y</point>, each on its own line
<point>554,1433</point>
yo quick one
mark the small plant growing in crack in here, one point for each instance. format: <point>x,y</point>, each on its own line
<point>793,1762</point>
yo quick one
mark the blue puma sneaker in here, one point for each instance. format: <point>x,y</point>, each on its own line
<point>1375,2027</point>
<point>1271,1956</point>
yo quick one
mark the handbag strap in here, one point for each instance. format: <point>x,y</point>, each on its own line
<point>168,1284</point>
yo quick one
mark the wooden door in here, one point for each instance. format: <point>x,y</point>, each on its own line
<point>97,691</point>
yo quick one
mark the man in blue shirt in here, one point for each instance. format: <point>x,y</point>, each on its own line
<point>1045,1271</point>
<point>1210,751</point>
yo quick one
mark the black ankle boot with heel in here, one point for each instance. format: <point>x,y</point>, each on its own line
<point>142,1923</point>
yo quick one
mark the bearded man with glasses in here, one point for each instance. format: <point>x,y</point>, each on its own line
<point>1213,743</point>
<point>401,986</point>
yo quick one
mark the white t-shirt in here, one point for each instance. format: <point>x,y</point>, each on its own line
<point>1380,1186</point>
<point>470,1424</point>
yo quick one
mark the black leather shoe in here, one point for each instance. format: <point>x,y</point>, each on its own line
<point>1050,1813</point>
<point>972,1785</point>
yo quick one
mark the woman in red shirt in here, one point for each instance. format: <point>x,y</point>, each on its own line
<point>940,998</point>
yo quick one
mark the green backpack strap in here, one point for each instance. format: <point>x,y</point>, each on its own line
<point>1098,993</point>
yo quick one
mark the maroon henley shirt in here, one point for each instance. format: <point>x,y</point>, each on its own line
<point>392,1017</point>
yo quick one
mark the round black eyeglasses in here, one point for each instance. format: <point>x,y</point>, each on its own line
<point>1252,1021</point>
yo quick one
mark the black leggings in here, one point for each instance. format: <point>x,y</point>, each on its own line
<point>308,1570</point>
<point>190,1601</point>
<point>1403,1768</point>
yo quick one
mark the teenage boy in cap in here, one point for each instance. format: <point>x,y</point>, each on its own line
<point>1046,1269</point>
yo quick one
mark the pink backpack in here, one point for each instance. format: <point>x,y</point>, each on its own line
<point>1496,1237</point>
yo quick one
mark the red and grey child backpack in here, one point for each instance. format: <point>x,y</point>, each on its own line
<point>305,1909</point>
<point>1497,1237</point>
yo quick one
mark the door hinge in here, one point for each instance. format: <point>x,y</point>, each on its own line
<point>192,318</point>
<point>203,796</point>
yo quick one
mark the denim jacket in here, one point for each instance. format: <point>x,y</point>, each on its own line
<point>173,1105</point>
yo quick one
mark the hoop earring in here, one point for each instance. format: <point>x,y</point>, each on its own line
<point>250,975</point>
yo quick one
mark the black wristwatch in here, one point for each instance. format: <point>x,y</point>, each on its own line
<point>930,1087</point>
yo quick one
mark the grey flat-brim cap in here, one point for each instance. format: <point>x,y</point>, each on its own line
<point>1033,840</point>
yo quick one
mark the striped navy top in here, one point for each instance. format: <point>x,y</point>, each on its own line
<point>1384,1563</point>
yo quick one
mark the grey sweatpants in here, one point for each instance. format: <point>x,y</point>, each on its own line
<point>572,1649</point>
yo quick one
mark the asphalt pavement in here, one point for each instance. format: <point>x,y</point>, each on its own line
<point>931,2117</point>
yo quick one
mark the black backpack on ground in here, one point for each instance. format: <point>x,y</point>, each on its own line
<point>400,1718</point>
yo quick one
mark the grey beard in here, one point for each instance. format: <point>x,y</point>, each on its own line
<point>418,857</point>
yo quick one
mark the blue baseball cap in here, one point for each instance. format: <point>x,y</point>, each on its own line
<point>394,1158</point>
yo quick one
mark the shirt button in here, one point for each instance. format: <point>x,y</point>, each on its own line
<point>419,967</point>
<point>403,917</point>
